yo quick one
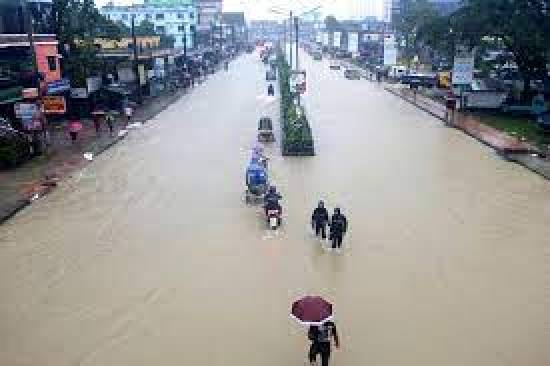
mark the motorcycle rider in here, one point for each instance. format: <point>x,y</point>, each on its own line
<point>270,90</point>
<point>338,227</point>
<point>271,200</point>
<point>319,220</point>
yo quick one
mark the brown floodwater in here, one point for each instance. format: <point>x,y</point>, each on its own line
<point>149,255</point>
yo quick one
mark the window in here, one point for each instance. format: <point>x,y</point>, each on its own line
<point>181,15</point>
<point>161,29</point>
<point>191,15</point>
<point>52,63</point>
<point>160,16</point>
<point>124,16</point>
<point>148,16</point>
<point>181,28</point>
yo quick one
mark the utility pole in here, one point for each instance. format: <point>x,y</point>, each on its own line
<point>27,18</point>
<point>297,38</point>
<point>136,67</point>
<point>290,39</point>
<point>185,41</point>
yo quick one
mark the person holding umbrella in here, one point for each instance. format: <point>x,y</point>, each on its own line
<point>320,337</point>
<point>316,312</point>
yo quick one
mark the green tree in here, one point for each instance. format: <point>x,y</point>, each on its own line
<point>77,23</point>
<point>415,15</point>
<point>522,27</point>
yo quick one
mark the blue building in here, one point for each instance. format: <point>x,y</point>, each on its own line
<point>177,18</point>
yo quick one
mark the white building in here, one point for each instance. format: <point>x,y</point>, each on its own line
<point>361,9</point>
<point>177,18</point>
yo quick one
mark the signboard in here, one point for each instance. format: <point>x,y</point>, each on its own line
<point>463,68</point>
<point>390,52</point>
<point>325,38</point>
<point>58,86</point>
<point>79,93</point>
<point>30,93</point>
<point>54,105</point>
<point>25,110</point>
<point>171,60</point>
<point>142,77</point>
<point>353,42</point>
<point>159,67</point>
<point>126,75</point>
<point>93,84</point>
<point>336,40</point>
<point>29,114</point>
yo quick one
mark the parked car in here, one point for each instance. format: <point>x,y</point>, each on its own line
<point>334,66</point>
<point>352,74</point>
<point>317,56</point>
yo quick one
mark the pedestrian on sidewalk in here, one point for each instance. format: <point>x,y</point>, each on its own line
<point>75,126</point>
<point>338,228</point>
<point>319,220</point>
<point>97,123</point>
<point>128,111</point>
<point>110,121</point>
<point>320,337</point>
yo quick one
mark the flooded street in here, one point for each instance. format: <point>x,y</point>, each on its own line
<point>149,256</point>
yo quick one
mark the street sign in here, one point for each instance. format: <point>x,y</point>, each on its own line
<point>30,115</point>
<point>463,69</point>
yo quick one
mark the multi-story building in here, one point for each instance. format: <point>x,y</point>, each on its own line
<point>176,18</point>
<point>17,67</point>
<point>209,18</point>
<point>235,30</point>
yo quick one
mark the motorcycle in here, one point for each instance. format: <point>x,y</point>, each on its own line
<point>273,219</point>
<point>270,90</point>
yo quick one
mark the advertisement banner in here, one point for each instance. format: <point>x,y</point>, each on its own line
<point>93,84</point>
<point>54,105</point>
<point>142,76</point>
<point>30,93</point>
<point>463,68</point>
<point>79,93</point>
<point>390,52</point>
<point>58,86</point>
<point>30,115</point>
<point>353,42</point>
<point>325,38</point>
<point>336,40</point>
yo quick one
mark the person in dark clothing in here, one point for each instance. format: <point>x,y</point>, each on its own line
<point>319,220</point>
<point>320,337</point>
<point>338,227</point>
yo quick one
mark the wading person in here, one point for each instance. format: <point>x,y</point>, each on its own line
<point>319,220</point>
<point>338,227</point>
<point>320,337</point>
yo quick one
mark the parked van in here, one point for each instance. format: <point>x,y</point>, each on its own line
<point>397,71</point>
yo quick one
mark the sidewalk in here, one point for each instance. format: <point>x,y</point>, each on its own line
<point>20,186</point>
<point>509,147</point>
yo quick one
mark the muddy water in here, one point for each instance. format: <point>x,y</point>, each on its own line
<point>149,255</point>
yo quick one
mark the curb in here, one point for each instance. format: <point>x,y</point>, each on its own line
<point>504,153</point>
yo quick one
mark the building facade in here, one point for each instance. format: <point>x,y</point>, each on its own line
<point>176,18</point>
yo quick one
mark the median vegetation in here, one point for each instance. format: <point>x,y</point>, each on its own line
<point>297,139</point>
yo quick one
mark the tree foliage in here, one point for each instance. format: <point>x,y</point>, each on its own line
<point>522,27</point>
<point>414,16</point>
<point>77,23</point>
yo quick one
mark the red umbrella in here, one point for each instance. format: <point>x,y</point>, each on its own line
<point>311,310</point>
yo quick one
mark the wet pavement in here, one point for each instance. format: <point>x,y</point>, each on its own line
<point>150,256</point>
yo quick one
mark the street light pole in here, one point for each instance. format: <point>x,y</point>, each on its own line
<point>297,36</point>
<point>185,40</point>
<point>290,39</point>
<point>136,67</point>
